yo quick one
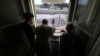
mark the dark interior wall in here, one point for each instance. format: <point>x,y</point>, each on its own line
<point>16,41</point>
<point>81,42</point>
<point>2,50</point>
<point>9,12</point>
<point>13,41</point>
<point>27,5</point>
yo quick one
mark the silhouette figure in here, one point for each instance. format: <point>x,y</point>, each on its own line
<point>29,31</point>
<point>43,34</point>
<point>66,41</point>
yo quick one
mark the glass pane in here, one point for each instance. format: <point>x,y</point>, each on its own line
<point>86,14</point>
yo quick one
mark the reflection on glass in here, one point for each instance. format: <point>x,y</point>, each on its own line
<point>85,13</point>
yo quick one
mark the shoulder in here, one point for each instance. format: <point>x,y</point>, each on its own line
<point>64,34</point>
<point>38,27</point>
<point>24,23</point>
<point>51,28</point>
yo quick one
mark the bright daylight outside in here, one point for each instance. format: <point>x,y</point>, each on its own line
<point>56,14</point>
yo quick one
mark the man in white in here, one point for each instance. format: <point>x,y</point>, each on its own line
<point>43,34</point>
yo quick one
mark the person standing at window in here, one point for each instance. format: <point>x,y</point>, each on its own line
<point>43,34</point>
<point>66,41</point>
<point>29,30</point>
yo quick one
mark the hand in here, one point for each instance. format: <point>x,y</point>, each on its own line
<point>62,31</point>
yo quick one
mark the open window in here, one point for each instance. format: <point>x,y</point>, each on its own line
<point>55,13</point>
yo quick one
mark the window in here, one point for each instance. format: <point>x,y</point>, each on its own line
<point>52,12</point>
<point>87,14</point>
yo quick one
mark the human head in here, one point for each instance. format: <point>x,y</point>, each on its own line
<point>28,16</point>
<point>69,27</point>
<point>45,21</point>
